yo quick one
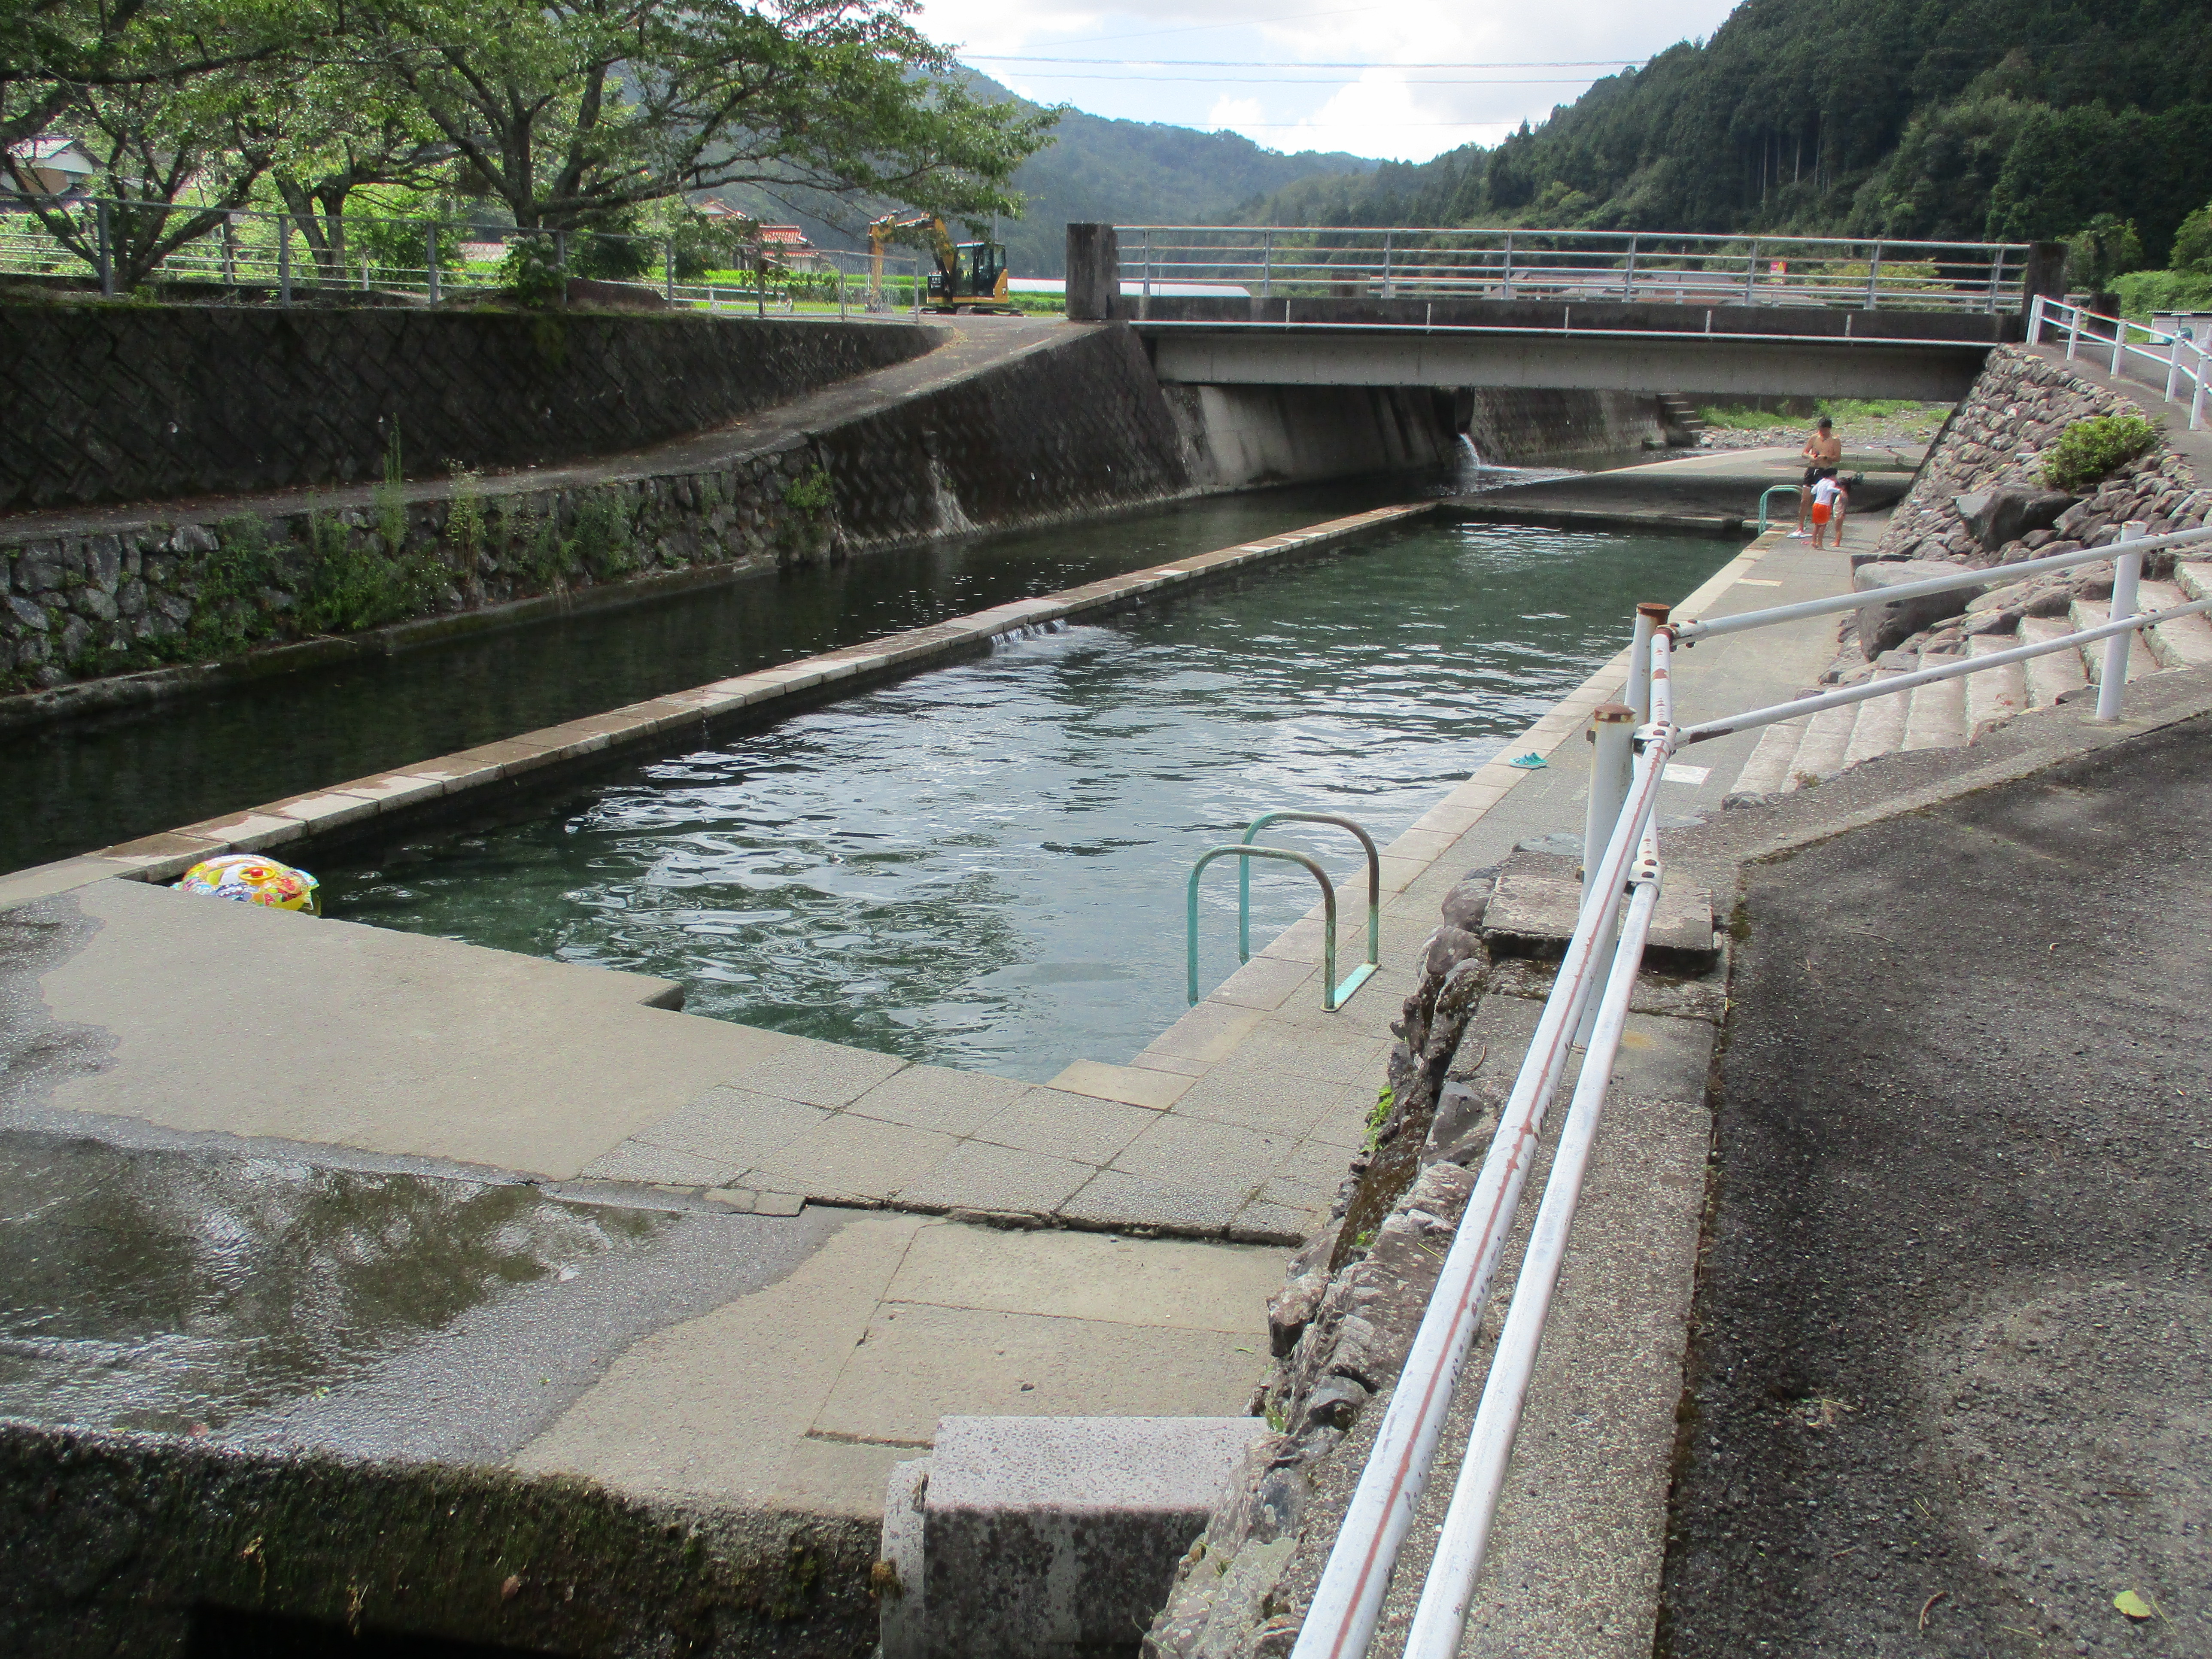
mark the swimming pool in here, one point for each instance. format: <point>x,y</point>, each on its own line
<point>983,866</point>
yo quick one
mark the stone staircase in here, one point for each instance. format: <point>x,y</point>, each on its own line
<point>1685,426</point>
<point>1953,713</point>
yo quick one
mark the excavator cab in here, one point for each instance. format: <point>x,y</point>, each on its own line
<point>973,274</point>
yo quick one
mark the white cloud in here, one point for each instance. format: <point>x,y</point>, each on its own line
<point>1409,112</point>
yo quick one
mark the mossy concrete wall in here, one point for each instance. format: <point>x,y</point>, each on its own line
<point>129,403</point>
<point>158,1546</point>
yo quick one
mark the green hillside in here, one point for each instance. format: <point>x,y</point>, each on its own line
<point>1970,118</point>
<point>1118,172</point>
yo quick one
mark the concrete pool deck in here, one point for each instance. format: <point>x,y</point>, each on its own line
<point>1136,1206</point>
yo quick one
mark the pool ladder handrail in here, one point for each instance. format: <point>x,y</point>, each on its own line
<point>1332,995</point>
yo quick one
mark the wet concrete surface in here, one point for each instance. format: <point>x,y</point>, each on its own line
<point>1950,1357</point>
<point>267,1300</point>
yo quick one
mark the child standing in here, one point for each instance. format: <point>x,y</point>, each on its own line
<point>1830,499</point>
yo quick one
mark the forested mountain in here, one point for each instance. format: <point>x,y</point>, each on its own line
<point>1117,172</point>
<point>1970,118</point>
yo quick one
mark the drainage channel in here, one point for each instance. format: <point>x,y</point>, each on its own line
<point>982,867</point>
<point>90,784</point>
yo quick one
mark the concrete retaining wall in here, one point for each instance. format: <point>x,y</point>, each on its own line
<point>139,403</point>
<point>1237,437</point>
<point>1517,428</point>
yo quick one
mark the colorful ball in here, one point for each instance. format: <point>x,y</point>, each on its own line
<point>252,879</point>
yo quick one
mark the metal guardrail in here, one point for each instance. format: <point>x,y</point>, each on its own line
<point>2185,360</point>
<point>252,251</point>
<point>1273,262</point>
<point>1333,995</point>
<point>1591,995</point>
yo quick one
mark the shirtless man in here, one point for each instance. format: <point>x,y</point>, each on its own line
<point>1824,452</point>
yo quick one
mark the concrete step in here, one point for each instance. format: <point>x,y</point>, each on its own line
<point>1936,716</point>
<point>1820,752</point>
<point>2091,613</point>
<point>1879,727</point>
<point>1026,1535</point>
<point>1767,771</point>
<point>1995,694</point>
<point>2184,642</point>
<point>2194,578</point>
<point>2051,676</point>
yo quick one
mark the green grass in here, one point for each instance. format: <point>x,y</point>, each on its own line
<point>1844,411</point>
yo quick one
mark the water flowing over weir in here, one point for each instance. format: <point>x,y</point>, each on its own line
<point>982,865</point>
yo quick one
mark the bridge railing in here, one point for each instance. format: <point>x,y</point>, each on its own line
<point>1276,262</point>
<point>1587,1011</point>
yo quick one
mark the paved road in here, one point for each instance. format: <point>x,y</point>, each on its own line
<point>1952,1347</point>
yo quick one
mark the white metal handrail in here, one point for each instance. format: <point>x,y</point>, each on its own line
<point>1407,261</point>
<point>2185,361</point>
<point>1340,1621</point>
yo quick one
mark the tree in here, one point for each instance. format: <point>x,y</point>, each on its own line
<point>54,52</point>
<point>573,111</point>
<point>337,131</point>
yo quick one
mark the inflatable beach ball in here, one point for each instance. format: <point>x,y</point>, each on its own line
<point>252,879</point>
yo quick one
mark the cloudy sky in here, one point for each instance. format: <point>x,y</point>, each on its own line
<point>1404,81</point>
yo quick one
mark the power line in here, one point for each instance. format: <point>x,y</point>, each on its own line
<point>1235,23</point>
<point>1256,63</point>
<point>1277,81</point>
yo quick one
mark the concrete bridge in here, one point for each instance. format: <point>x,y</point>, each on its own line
<point>1333,307</point>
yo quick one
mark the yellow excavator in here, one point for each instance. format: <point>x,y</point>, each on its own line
<point>969,275</point>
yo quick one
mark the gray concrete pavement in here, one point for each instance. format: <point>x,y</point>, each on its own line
<point>1947,1390</point>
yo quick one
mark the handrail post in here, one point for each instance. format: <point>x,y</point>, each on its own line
<point>1613,769</point>
<point>1751,274</point>
<point>2035,320</point>
<point>1873,278</point>
<point>2127,569</point>
<point>2119,342</point>
<point>2172,362</point>
<point>2073,330</point>
<point>283,259</point>
<point>102,228</point>
<point>430,262</point>
<point>1628,280</point>
<point>1649,618</point>
<point>1997,279</point>
<point>1267,263</point>
<point>2196,399</point>
<point>1508,274</point>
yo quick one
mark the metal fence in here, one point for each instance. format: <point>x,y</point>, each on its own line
<point>1587,1009</point>
<point>272,255</point>
<point>1579,266</point>
<point>2137,352</point>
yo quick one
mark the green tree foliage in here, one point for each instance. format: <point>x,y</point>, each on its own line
<point>1929,118</point>
<point>2090,451</point>
<point>571,111</point>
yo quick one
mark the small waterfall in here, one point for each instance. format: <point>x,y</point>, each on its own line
<point>1468,475</point>
<point>1028,631</point>
<point>950,520</point>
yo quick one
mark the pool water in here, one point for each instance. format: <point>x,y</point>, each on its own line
<point>983,866</point>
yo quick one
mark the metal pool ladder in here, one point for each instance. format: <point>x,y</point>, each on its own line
<point>1332,995</point>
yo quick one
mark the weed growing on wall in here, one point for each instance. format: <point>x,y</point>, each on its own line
<point>465,523</point>
<point>810,493</point>
<point>232,608</point>
<point>352,585</point>
<point>603,539</point>
<point>391,498</point>
<point>2088,452</point>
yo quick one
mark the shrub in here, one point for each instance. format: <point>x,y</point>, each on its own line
<point>531,272</point>
<point>2091,451</point>
<point>811,493</point>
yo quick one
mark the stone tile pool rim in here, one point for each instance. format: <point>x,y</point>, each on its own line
<point>1206,1154</point>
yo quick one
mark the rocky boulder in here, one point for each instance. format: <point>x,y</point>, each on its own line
<point>2006,514</point>
<point>1888,622</point>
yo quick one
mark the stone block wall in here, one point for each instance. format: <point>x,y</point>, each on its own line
<point>1078,426</point>
<point>2018,407</point>
<point>1510,427</point>
<point>125,403</point>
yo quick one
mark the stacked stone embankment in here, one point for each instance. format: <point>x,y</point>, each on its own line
<point>1076,426</point>
<point>1982,503</point>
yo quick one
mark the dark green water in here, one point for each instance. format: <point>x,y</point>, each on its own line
<point>983,866</point>
<point>70,789</point>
